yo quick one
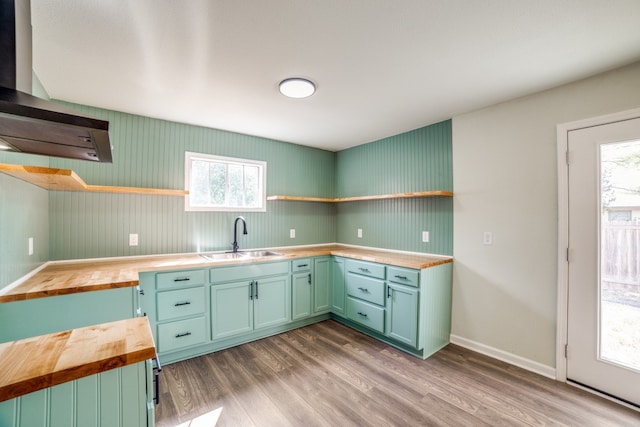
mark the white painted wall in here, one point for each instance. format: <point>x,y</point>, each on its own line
<point>505,181</point>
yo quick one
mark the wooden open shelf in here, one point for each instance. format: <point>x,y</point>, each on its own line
<point>413,195</point>
<point>68,180</point>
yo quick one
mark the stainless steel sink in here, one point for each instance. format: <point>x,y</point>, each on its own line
<point>223,256</point>
<point>220,256</point>
<point>258,254</point>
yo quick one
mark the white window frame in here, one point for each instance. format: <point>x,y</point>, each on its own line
<point>190,156</point>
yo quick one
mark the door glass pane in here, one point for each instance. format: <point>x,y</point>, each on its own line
<point>619,253</point>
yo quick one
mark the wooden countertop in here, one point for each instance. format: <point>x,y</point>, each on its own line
<point>94,275</point>
<point>35,363</point>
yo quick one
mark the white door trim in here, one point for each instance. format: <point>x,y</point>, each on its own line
<point>562,132</point>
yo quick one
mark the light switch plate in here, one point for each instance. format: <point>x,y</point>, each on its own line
<point>292,233</point>
<point>425,236</point>
<point>30,246</point>
<point>487,238</point>
<point>133,239</point>
<point>359,233</point>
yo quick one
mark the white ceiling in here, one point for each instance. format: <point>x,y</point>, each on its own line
<point>382,67</point>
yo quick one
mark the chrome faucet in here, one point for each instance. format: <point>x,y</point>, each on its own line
<point>235,232</point>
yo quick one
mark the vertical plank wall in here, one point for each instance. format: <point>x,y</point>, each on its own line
<point>418,160</point>
<point>24,213</point>
<point>150,153</point>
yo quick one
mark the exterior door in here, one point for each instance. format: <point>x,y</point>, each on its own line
<point>603,319</point>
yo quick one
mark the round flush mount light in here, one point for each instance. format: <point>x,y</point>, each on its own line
<point>297,87</point>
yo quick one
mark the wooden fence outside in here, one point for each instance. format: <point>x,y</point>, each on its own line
<point>620,253</point>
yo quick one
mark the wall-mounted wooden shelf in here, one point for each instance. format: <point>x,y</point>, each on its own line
<point>68,180</point>
<point>413,195</point>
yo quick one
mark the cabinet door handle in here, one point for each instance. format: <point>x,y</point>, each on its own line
<point>364,290</point>
<point>400,277</point>
<point>182,279</point>
<point>303,265</point>
<point>178,304</point>
<point>256,289</point>
<point>309,278</point>
<point>388,291</point>
<point>184,334</point>
<point>363,314</point>
<point>251,290</point>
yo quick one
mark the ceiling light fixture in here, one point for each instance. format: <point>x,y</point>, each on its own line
<point>297,87</point>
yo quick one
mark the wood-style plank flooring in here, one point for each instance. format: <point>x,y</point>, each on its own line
<point>330,375</point>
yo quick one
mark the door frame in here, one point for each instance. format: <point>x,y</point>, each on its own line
<point>564,254</point>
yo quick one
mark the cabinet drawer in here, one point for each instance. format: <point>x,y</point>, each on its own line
<point>366,314</point>
<point>178,279</point>
<point>302,264</point>
<point>248,271</point>
<point>405,276</point>
<point>366,288</point>
<point>367,268</point>
<point>183,333</point>
<point>180,303</point>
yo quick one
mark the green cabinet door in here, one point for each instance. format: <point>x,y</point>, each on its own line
<point>301,295</point>
<point>337,286</point>
<point>271,302</point>
<point>231,309</point>
<point>402,313</point>
<point>321,285</point>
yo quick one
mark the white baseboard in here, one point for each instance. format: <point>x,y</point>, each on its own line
<point>521,362</point>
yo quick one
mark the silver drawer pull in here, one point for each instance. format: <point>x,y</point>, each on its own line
<point>400,277</point>
<point>364,290</point>
<point>182,279</point>
<point>178,304</point>
<point>184,334</point>
<point>363,314</point>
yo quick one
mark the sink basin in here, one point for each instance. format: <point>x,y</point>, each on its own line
<point>238,255</point>
<point>222,256</point>
<point>258,254</point>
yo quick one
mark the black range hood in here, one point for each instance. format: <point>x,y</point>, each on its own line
<point>30,124</point>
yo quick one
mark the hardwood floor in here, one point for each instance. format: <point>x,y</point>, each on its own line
<point>330,375</point>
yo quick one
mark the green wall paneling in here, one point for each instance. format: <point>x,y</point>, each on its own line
<point>150,153</point>
<point>413,161</point>
<point>112,398</point>
<point>24,212</point>
<point>418,160</point>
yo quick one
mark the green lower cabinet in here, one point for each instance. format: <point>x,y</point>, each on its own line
<point>231,309</point>
<point>121,397</point>
<point>402,314</point>
<point>272,302</point>
<point>321,285</point>
<point>366,314</point>
<point>337,291</point>
<point>241,307</point>
<point>301,295</point>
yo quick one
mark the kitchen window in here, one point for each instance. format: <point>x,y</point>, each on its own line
<point>217,183</point>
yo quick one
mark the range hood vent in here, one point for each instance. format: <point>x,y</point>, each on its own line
<point>30,124</point>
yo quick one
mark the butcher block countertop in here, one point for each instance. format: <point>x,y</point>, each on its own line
<point>63,278</point>
<point>35,363</point>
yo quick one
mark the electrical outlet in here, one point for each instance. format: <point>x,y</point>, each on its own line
<point>30,246</point>
<point>487,238</point>
<point>359,233</point>
<point>425,236</point>
<point>292,233</point>
<point>133,239</point>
